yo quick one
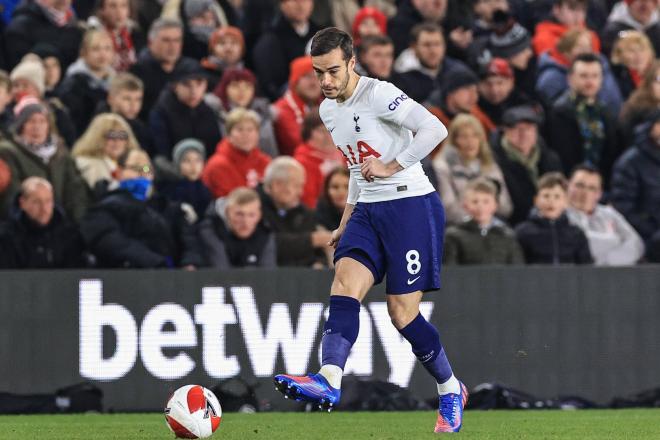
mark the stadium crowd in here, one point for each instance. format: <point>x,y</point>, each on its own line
<point>186,133</point>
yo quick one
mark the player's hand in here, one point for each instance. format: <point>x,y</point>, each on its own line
<point>372,168</point>
<point>336,235</point>
<point>321,238</point>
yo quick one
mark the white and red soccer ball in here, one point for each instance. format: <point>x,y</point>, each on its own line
<point>193,412</point>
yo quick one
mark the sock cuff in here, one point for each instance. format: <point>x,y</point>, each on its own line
<point>414,325</point>
<point>344,303</point>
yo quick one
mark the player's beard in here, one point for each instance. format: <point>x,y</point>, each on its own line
<point>344,85</point>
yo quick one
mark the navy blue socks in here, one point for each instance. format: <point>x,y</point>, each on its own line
<point>340,330</point>
<point>425,341</point>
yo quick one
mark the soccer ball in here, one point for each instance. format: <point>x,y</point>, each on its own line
<point>193,412</point>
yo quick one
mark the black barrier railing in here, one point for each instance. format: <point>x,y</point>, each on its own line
<point>592,332</point>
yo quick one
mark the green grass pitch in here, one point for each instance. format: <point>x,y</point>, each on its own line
<point>587,424</point>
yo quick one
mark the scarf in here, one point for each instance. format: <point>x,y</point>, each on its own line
<point>57,17</point>
<point>592,128</point>
<point>530,162</point>
<point>44,151</point>
<point>125,55</point>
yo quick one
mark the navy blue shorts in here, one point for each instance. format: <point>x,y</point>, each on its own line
<point>399,238</point>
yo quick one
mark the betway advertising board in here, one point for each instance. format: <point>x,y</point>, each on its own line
<point>141,334</point>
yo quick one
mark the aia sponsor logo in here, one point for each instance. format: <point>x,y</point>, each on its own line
<point>364,150</point>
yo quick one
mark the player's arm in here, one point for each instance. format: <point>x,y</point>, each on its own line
<point>351,200</point>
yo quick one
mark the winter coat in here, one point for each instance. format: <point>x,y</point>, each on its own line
<point>288,114</point>
<point>30,25</point>
<point>552,82</point>
<point>318,165</point>
<point>418,84</point>
<point>495,111</point>
<point>400,25</point>
<point>620,20</point>
<point>453,177</point>
<point>230,168</point>
<point>191,192</point>
<point>327,215</point>
<point>28,245</point>
<point>94,169</point>
<point>635,187</point>
<point>273,53</point>
<point>557,241</point>
<point>518,181</point>
<point>566,139</point>
<point>468,243</point>
<point>155,79</point>
<point>612,240</point>
<point>69,188</point>
<point>293,230</point>
<point>223,250</point>
<point>548,33</point>
<point>122,231</point>
<point>171,121</point>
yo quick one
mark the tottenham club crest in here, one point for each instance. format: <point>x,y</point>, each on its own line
<point>355,118</point>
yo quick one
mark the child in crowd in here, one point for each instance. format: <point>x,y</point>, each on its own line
<point>481,238</point>
<point>547,237</point>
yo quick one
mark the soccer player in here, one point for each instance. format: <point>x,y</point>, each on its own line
<point>392,225</point>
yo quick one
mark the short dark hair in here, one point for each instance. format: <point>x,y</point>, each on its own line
<point>425,27</point>
<point>573,4</point>
<point>587,168</point>
<point>311,120</point>
<point>330,38</point>
<point>374,40</point>
<point>550,180</point>
<point>585,58</point>
<point>483,185</point>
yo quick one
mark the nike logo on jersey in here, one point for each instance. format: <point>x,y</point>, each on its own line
<point>331,129</point>
<point>413,280</point>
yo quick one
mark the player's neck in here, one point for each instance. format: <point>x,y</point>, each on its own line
<point>350,87</point>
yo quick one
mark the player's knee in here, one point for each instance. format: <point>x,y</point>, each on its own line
<point>401,315</point>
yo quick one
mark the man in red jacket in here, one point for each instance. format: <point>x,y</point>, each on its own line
<point>304,92</point>
<point>318,155</point>
<point>566,15</point>
<point>237,161</point>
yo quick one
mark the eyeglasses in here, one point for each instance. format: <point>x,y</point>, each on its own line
<point>141,169</point>
<point>117,134</point>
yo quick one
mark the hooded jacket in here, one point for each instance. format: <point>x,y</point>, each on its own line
<point>468,243</point>
<point>621,20</point>
<point>548,33</point>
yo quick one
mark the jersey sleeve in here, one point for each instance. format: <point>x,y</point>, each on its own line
<point>390,103</point>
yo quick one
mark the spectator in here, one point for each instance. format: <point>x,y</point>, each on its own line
<point>238,161</point>
<point>280,45</point>
<point>484,11</point>
<point>98,149</point>
<point>642,103</point>
<point>332,202</point>
<point>125,96</point>
<point>481,238</point>
<point>632,57</point>
<point>523,157</point>
<point>50,57</point>
<point>581,127</point>
<point>200,18</point>
<point>237,90</point>
<point>34,150</point>
<point>299,239</point>
<point>304,93</point>
<point>43,20</point>
<point>376,59</point>
<point>161,61</point>
<point>640,15</point>
<point>565,15</point>
<point>497,90</point>
<point>459,96</point>
<point>613,242</point>
<point>5,176</point>
<point>132,227</point>
<point>553,69</point>
<point>368,22</point>
<point>188,188</point>
<point>233,234</point>
<point>547,237</point>
<point>226,51</point>
<point>635,182</point>
<point>127,38</point>
<point>465,157</point>
<point>181,113</point>
<point>28,78</point>
<point>344,12</point>
<point>38,235</point>
<point>5,100</point>
<point>318,155</point>
<point>425,67</point>
<point>87,80</point>
<point>411,13</point>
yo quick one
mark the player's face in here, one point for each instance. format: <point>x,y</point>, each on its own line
<point>333,72</point>
<point>584,191</point>
<point>551,202</point>
<point>586,79</point>
<point>243,219</point>
<point>38,204</point>
<point>495,89</point>
<point>468,143</point>
<point>338,191</point>
<point>480,206</point>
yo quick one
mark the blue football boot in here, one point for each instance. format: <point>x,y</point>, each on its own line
<point>312,388</point>
<point>450,411</point>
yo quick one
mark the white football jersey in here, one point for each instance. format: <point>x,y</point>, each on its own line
<point>369,124</point>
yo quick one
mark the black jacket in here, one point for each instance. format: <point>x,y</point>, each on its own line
<point>636,187</point>
<point>182,190</point>
<point>566,140</point>
<point>30,25</point>
<point>399,26</point>
<point>419,86</point>
<point>467,243</point>
<point>81,95</point>
<point>223,250</point>
<point>155,79</point>
<point>124,232</point>
<point>553,242</point>
<point>495,111</point>
<point>327,215</point>
<point>273,53</point>
<point>171,121</point>
<point>518,181</point>
<point>28,245</point>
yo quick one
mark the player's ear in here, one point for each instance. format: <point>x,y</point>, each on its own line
<point>351,63</point>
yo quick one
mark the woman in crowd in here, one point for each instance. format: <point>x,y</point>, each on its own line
<point>641,104</point>
<point>632,57</point>
<point>333,199</point>
<point>226,51</point>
